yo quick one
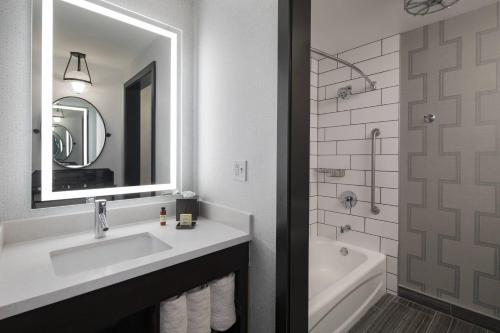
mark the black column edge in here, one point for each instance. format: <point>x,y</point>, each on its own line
<point>292,229</point>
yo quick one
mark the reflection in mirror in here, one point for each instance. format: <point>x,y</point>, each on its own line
<point>111,71</point>
<point>84,124</point>
<point>62,143</point>
<point>140,106</point>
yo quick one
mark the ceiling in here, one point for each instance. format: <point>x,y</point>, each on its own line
<point>338,25</point>
<point>106,41</point>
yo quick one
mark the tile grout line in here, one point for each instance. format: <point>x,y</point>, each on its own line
<point>430,324</point>
<point>371,74</point>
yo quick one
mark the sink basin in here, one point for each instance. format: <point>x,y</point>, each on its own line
<point>104,253</point>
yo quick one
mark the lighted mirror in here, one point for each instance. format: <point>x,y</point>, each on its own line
<point>105,103</point>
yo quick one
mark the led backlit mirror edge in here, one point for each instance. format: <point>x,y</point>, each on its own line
<point>173,34</point>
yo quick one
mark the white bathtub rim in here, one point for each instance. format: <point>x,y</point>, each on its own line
<point>328,299</point>
<point>372,261</point>
<point>363,309</point>
<point>322,303</point>
<point>368,253</point>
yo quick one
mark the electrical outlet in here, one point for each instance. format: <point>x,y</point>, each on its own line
<point>240,171</point>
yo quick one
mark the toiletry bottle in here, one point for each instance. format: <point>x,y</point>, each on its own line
<point>163,216</point>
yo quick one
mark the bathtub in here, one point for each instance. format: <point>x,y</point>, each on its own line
<point>342,288</point>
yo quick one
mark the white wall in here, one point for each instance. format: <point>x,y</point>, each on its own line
<point>343,142</point>
<point>237,119</point>
<point>15,109</point>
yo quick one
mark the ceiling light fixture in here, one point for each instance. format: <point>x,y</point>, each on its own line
<point>78,75</point>
<point>57,115</point>
<point>425,7</point>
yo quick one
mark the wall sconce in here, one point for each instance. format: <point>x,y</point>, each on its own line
<point>78,75</point>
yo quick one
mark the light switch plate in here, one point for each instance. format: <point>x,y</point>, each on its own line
<point>240,170</point>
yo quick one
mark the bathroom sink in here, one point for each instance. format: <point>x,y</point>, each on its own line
<point>104,253</point>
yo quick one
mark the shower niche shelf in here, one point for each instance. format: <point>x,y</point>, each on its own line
<point>332,172</point>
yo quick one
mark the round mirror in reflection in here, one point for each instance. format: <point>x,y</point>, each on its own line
<point>62,143</point>
<point>79,121</point>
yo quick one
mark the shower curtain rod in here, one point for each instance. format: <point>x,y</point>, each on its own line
<point>347,63</point>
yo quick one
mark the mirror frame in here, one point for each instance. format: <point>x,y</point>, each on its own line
<point>120,14</point>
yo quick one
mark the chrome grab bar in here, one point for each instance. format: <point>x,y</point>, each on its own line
<point>375,210</point>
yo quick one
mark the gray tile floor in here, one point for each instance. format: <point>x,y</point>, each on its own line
<point>395,314</point>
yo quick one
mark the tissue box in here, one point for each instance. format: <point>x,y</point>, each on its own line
<point>186,206</point>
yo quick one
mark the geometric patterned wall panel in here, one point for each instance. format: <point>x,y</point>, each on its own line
<point>450,168</point>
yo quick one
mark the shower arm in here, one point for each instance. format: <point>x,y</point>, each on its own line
<point>347,63</point>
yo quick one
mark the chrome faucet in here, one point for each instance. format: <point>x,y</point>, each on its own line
<point>101,220</point>
<point>345,228</point>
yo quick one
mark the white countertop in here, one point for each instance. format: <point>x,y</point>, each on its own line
<point>28,281</point>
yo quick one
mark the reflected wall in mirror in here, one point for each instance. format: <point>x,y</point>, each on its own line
<point>102,70</point>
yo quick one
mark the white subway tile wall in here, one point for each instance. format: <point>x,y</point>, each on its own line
<point>341,139</point>
<point>313,164</point>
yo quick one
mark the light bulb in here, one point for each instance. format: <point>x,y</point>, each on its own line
<point>79,86</point>
<point>79,81</point>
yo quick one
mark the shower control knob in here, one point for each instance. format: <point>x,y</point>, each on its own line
<point>348,199</point>
<point>344,92</point>
<point>429,118</point>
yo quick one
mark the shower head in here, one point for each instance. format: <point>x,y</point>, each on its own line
<point>344,92</point>
<point>424,7</point>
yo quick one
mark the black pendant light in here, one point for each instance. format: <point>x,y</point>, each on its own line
<point>77,72</point>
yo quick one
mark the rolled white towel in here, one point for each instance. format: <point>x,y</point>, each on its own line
<point>222,303</point>
<point>198,310</point>
<point>173,315</point>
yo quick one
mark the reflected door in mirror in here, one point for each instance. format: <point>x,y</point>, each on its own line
<point>140,127</point>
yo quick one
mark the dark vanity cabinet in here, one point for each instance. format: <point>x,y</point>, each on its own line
<point>133,305</point>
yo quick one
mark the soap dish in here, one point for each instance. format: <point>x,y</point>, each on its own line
<point>179,226</point>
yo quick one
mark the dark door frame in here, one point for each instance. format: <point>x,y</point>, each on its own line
<point>136,80</point>
<point>292,229</point>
